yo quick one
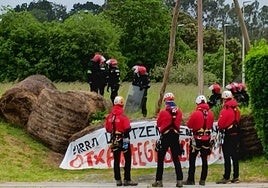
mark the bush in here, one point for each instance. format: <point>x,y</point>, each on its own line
<point>256,74</point>
<point>182,73</point>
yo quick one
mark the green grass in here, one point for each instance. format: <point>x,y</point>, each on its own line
<point>24,159</point>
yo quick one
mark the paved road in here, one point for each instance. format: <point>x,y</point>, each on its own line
<point>112,185</point>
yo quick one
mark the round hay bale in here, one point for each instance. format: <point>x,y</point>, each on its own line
<point>250,143</point>
<point>16,103</point>
<point>57,115</point>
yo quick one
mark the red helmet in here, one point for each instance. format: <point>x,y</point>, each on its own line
<point>215,87</point>
<point>139,69</point>
<point>232,87</point>
<point>142,70</point>
<point>98,58</point>
<point>112,62</point>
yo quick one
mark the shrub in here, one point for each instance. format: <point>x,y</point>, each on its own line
<point>182,73</point>
<point>256,74</point>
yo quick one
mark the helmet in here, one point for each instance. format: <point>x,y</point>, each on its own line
<point>118,100</point>
<point>111,62</point>
<point>232,87</point>
<point>135,68</point>
<point>98,58</point>
<point>241,87</point>
<point>227,95</point>
<point>169,97</point>
<point>200,99</point>
<point>142,70</point>
<point>215,87</point>
<point>139,69</point>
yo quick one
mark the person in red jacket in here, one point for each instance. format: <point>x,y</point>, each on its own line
<point>119,126</point>
<point>168,123</point>
<point>228,124</point>
<point>200,122</point>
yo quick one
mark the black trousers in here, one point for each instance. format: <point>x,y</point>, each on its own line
<point>169,140</point>
<point>97,88</point>
<point>144,102</point>
<point>230,150</point>
<point>204,148</point>
<point>127,167</point>
<point>114,92</point>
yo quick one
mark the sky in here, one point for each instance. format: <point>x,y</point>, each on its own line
<point>69,3</point>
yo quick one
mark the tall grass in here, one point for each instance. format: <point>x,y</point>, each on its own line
<point>184,95</point>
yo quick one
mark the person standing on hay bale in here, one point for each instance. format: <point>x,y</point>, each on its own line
<point>119,126</point>
<point>97,74</point>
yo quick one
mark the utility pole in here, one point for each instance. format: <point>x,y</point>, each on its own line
<point>243,44</point>
<point>173,30</point>
<point>245,37</point>
<point>200,48</point>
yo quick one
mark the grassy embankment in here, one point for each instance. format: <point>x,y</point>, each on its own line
<point>25,160</point>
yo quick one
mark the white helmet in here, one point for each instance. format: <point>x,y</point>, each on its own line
<point>169,97</point>
<point>118,100</point>
<point>227,95</point>
<point>200,99</point>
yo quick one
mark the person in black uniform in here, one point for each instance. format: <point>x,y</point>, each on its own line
<point>215,98</point>
<point>141,79</point>
<point>97,74</point>
<point>113,79</point>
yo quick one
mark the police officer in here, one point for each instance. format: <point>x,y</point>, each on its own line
<point>200,122</point>
<point>119,126</point>
<point>228,124</point>
<point>141,79</point>
<point>97,74</point>
<point>215,98</point>
<point>168,122</point>
<point>113,78</point>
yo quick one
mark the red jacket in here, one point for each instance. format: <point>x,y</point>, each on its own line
<point>164,119</point>
<point>196,120</point>
<point>229,114</point>
<point>122,123</point>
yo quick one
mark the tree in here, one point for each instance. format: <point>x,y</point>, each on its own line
<point>44,10</point>
<point>145,26</point>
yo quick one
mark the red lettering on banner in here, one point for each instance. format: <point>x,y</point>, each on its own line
<point>185,144</point>
<point>99,158</point>
<point>89,158</point>
<point>141,163</point>
<point>110,158</point>
<point>133,151</point>
<point>76,162</point>
<point>149,153</point>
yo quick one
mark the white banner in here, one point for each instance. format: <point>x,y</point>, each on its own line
<point>92,150</point>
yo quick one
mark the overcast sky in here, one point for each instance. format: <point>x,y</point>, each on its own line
<point>70,3</point>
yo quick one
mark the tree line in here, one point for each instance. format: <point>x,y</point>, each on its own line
<point>42,37</point>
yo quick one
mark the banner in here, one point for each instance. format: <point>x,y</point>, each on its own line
<point>92,150</point>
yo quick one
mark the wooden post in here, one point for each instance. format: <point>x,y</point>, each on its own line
<point>200,48</point>
<point>174,25</point>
